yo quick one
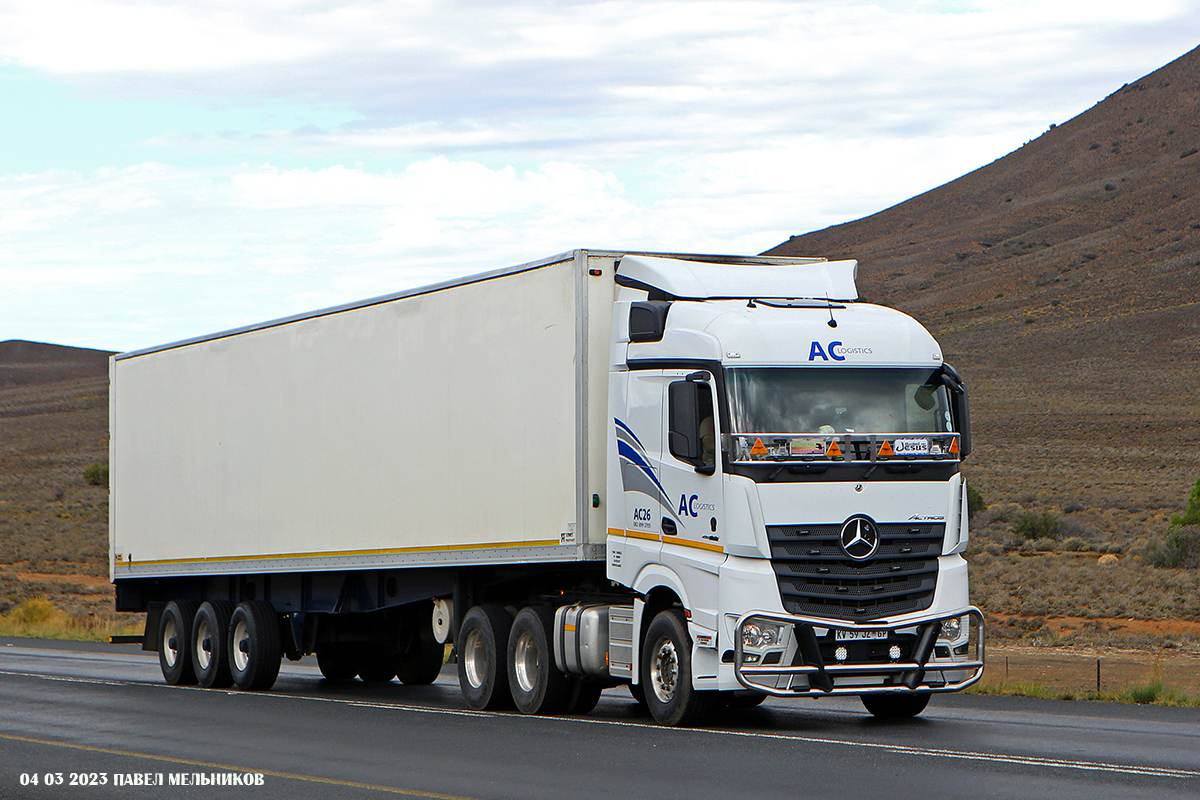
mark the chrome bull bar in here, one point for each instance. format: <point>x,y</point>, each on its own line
<point>922,671</point>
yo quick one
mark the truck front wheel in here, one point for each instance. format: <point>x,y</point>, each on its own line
<point>895,706</point>
<point>536,684</point>
<point>255,648</point>
<point>175,642</point>
<point>482,666</point>
<point>667,672</point>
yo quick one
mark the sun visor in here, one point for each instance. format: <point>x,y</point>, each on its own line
<point>815,279</point>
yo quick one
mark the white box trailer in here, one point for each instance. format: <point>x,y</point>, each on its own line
<point>433,427</point>
<point>562,469</point>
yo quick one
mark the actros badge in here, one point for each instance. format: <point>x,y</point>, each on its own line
<point>860,538</point>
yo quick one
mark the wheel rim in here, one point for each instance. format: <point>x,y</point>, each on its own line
<point>203,655</point>
<point>241,645</point>
<point>664,671</point>
<point>475,659</point>
<point>170,632</point>
<point>526,662</point>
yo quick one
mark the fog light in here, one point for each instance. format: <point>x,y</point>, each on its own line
<point>841,654</point>
<point>894,652</point>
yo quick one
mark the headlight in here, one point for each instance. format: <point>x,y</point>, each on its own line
<point>952,629</point>
<point>757,635</point>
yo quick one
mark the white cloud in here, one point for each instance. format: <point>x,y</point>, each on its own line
<point>489,133</point>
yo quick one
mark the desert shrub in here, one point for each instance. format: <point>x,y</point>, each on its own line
<point>1073,507</point>
<point>1032,525</point>
<point>1192,515</point>
<point>1179,547</point>
<point>96,474</point>
<point>1076,544</point>
<point>33,611</point>
<point>975,502</point>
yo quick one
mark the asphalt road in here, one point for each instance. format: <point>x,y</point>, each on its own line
<point>99,715</point>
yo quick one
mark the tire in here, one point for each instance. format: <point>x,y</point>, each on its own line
<point>482,666</point>
<point>175,642</point>
<point>895,706</point>
<point>375,663</point>
<point>667,673</point>
<point>255,648</point>
<point>210,644</point>
<point>583,697</point>
<point>421,662</point>
<point>638,692</point>
<point>537,685</point>
<point>336,663</point>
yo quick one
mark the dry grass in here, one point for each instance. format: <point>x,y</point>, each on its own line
<point>1153,693</point>
<point>41,619</point>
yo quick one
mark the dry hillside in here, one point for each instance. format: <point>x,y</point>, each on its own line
<point>1063,281</point>
<point>53,524</point>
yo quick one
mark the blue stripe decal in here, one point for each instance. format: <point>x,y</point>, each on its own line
<point>633,457</point>
<point>627,429</point>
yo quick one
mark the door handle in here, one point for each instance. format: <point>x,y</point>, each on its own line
<point>668,527</point>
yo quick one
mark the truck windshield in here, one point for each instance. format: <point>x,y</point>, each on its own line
<point>771,400</point>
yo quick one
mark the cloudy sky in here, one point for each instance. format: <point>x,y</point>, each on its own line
<point>175,167</point>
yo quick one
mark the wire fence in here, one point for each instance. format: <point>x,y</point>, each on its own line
<point>1088,672</point>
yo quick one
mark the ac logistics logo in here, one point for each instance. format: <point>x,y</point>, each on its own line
<point>688,505</point>
<point>835,351</point>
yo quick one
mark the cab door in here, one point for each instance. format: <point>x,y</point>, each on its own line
<point>693,511</point>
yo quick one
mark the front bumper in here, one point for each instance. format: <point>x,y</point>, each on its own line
<point>809,659</point>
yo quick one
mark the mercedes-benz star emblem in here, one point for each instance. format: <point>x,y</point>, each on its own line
<point>860,538</point>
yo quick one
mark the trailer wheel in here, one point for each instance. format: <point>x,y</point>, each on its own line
<point>482,666</point>
<point>375,663</point>
<point>667,673</point>
<point>583,697</point>
<point>210,644</point>
<point>255,649</point>
<point>421,662</point>
<point>895,706</point>
<point>336,663</point>
<point>175,642</point>
<point>537,685</point>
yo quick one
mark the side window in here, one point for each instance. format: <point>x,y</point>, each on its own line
<point>691,425</point>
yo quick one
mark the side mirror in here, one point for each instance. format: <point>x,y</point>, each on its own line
<point>959,408</point>
<point>689,408</point>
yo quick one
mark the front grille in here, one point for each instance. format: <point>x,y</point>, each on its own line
<point>818,579</point>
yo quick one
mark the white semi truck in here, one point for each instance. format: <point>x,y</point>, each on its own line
<point>711,478</point>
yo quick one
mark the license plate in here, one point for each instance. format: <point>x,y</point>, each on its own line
<point>850,636</point>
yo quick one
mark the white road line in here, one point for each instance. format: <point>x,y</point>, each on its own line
<point>928,752</point>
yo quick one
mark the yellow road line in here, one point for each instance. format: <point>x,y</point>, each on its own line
<point>230,768</point>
